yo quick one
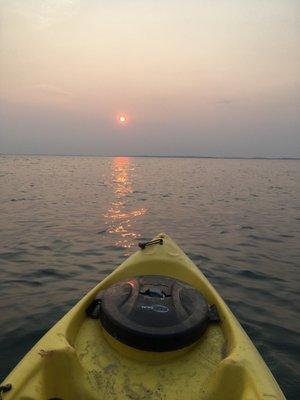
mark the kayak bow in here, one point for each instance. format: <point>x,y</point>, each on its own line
<point>154,329</point>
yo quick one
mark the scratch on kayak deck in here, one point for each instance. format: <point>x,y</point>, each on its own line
<point>45,353</point>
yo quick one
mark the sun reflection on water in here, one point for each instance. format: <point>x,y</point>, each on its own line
<point>120,218</point>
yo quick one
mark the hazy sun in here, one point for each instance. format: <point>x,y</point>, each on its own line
<point>122,119</point>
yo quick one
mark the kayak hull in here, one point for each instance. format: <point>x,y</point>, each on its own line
<point>77,359</point>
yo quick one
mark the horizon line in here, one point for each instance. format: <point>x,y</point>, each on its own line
<point>155,156</point>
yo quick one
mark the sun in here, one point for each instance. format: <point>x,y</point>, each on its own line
<point>122,119</point>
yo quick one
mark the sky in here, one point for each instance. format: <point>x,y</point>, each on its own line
<point>191,78</point>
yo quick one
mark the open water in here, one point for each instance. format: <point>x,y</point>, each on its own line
<point>66,222</point>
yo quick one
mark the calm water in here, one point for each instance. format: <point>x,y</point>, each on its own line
<point>66,222</point>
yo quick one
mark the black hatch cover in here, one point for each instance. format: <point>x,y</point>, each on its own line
<point>154,313</point>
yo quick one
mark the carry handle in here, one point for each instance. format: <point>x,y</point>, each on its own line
<point>145,244</point>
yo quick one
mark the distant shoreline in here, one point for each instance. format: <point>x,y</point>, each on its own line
<point>150,156</point>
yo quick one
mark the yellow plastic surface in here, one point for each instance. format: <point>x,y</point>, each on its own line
<point>77,360</point>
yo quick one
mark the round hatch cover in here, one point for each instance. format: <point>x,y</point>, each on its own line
<point>154,313</point>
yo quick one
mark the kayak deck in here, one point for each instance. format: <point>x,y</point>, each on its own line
<point>113,376</point>
<point>78,360</point>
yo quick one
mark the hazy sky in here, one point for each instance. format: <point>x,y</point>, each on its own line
<point>195,77</point>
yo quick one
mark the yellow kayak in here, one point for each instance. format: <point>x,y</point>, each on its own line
<point>153,329</point>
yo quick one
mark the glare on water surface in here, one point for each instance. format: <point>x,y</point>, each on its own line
<point>120,219</point>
